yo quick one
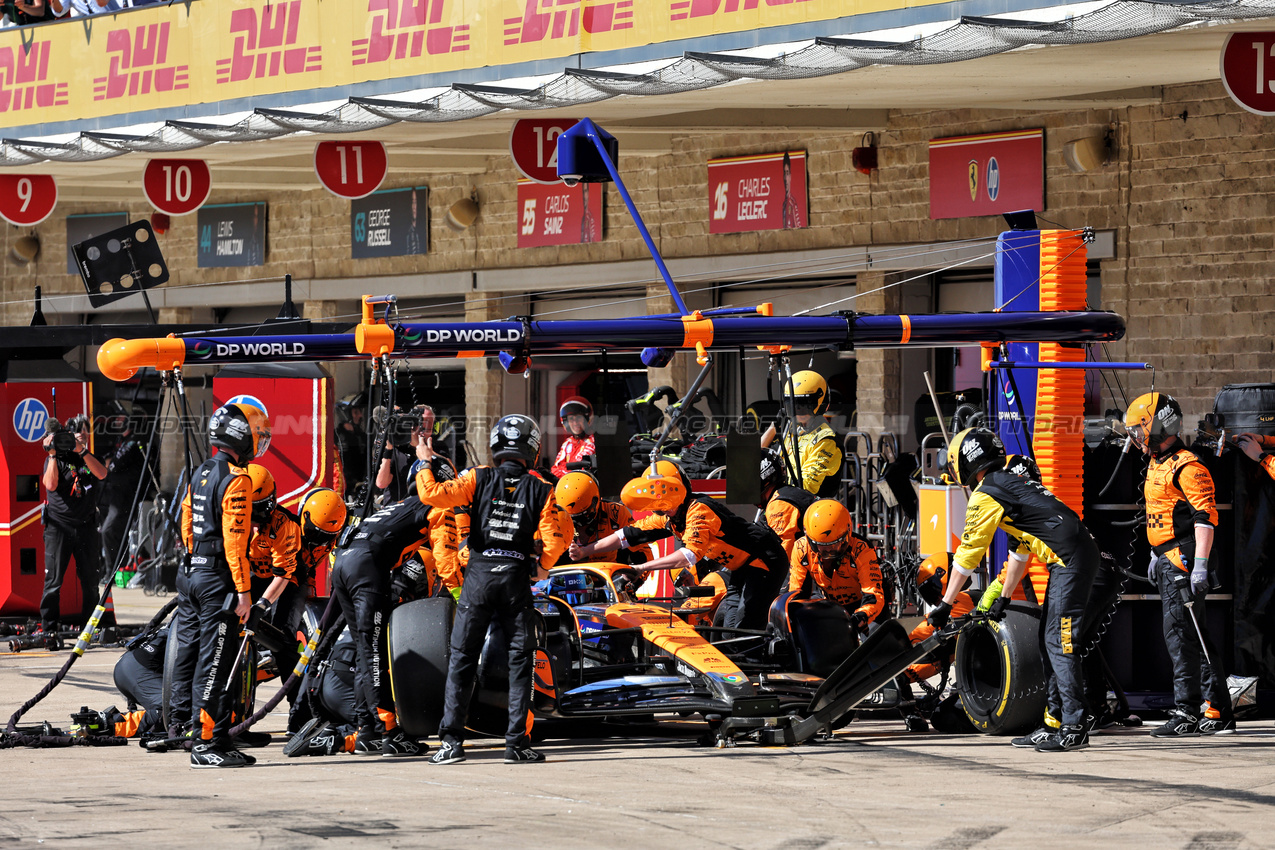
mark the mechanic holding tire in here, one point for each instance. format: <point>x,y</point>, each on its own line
<point>362,586</point>
<point>214,582</point>
<point>841,564</point>
<point>1181,520</point>
<point>1051,531</point>
<point>517,532</point>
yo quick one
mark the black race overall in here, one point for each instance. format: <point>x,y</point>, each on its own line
<point>506,508</point>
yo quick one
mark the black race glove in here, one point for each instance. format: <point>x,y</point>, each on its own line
<point>940,615</point>
<point>997,610</point>
<point>859,620</point>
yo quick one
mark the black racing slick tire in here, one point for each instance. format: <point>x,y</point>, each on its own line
<point>170,666</point>
<point>999,672</point>
<point>420,637</point>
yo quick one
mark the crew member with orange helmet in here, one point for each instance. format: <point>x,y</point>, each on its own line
<point>931,583</point>
<point>593,517</point>
<point>840,563</point>
<point>579,446</point>
<point>322,514</point>
<point>713,537</point>
<point>1181,520</point>
<point>216,527</point>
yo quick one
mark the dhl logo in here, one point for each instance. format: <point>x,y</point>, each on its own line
<point>564,18</point>
<point>266,46</point>
<point>680,10</point>
<point>139,59</point>
<point>404,29</point>
<point>24,74</point>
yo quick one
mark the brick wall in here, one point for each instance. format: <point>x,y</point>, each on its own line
<point>1189,199</point>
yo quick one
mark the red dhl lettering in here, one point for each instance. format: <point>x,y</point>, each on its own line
<point>406,29</point>
<point>24,72</point>
<point>139,58</point>
<point>265,46</point>
<point>680,10</point>
<point>558,22</point>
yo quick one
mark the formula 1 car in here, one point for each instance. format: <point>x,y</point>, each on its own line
<point>601,653</point>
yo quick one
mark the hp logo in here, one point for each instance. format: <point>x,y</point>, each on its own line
<point>28,419</point>
<point>993,179</point>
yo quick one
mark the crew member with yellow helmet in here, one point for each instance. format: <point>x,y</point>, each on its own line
<point>1048,529</point>
<point>841,564</point>
<point>819,455</point>
<point>712,536</point>
<point>216,526</point>
<point>1181,520</point>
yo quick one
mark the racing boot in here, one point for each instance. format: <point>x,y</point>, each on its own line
<point>448,752</point>
<point>523,755</point>
<point>299,743</point>
<point>1181,724</point>
<point>207,754</point>
<point>368,743</point>
<point>397,743</point>
<point>1222,724</point>
<point>1030,741</point>
<point>1066,739</point>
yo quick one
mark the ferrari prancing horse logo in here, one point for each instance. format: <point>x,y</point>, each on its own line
<point>973,179</point>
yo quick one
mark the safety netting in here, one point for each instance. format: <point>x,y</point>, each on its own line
<point>969,38</point>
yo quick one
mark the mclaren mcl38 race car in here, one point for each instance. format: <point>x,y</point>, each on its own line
<point>604,654</point>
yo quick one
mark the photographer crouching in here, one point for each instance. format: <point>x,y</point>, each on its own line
<point>70,476</point>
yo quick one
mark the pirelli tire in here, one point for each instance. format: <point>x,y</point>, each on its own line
<point>420,635</point>
<point>170,667</point>
<point>1000,674</point>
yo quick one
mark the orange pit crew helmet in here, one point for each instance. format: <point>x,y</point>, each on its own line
<point>931,578</point>
<point>263,492</point>
<point>662,488</point>
<point>827,526</point>
<point>577,494</point>
<point>323,515</point>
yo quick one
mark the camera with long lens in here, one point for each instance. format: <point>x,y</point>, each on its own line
<point>400,425</point>
<point>63,443</point>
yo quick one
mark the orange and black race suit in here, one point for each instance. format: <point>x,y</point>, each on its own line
<point>462,540</point>
<point>273,550</point>
<point>610,518</point>
<point>785,512</point>
<point>309,560</point>
<point>216,523</point>
<point>1033,586</point>
<point>1179,493</point>
<point>440,556</point>
<point>750,553</point>
<point>853,581</point>
<point>933,665</point>
<point>554,531</point>
<point>220,522</point>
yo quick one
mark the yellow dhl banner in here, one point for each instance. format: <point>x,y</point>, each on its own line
<point>214,50</point>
